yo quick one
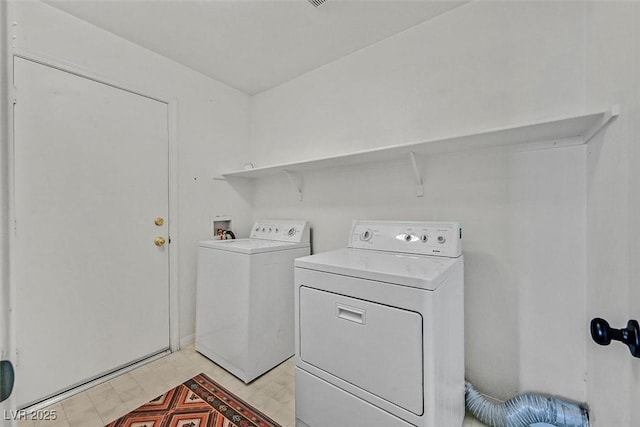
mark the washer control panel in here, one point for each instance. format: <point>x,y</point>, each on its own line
<point>281,230</point>
<point>411,237</point>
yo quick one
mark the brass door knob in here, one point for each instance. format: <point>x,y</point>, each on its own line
<point>159,241</point>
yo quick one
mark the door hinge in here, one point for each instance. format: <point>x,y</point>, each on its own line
<point>15,95</point>
<point>169,239</point>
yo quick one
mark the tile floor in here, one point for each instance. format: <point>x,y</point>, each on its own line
<point>273,393</point>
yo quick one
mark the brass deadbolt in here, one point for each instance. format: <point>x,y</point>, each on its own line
<point>159,221</point>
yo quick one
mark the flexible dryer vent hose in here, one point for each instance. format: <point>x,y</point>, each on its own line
<point>525,410</point>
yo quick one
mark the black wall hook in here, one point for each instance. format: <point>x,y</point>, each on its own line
<point>603,334</point>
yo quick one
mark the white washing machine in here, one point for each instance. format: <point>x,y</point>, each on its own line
<point>380,329</point>
<point>244,301</point>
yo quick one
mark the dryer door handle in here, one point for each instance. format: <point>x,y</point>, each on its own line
<point>352,314</point>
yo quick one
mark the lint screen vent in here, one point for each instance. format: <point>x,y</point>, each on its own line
<point>317,3</point>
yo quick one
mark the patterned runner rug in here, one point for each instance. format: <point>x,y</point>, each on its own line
<point>198,402</point>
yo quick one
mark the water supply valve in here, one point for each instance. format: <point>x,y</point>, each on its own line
<point>603,334</point>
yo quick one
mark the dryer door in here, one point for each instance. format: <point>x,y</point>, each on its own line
<point>347,337</point>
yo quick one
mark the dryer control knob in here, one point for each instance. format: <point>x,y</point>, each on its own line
<point>291,231</point>
<point>441,239</point>
<point>424,238</point>
<point>366,235</point>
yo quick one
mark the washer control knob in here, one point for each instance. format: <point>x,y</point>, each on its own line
<point>263,229</point>
<point>291,231</point>
<point>441,239</point>
<point>407,237</point>
<point>366,235</point>
<point>270,230</point>
<point>277,229</point>
<point>424,238</point>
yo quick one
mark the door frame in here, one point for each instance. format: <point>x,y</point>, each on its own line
<point>172,117</point>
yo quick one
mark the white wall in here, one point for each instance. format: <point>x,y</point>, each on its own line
<point>212,121</point>
<point>613,76</point>
<point>483,65</point>
<point>4,205</point>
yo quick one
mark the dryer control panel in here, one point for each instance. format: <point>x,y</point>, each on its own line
<point>281,230</point>
<point>410,237</point>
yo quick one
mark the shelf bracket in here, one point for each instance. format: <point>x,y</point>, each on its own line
<point>296,181</point>
<point>609,117</point>
<point>416,174</point>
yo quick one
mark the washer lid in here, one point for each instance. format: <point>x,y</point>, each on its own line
<point>251,246</point>
<point>418,271</point>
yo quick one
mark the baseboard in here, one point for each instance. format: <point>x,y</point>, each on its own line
<point>188,340</point>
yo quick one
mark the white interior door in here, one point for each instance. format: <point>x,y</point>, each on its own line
<point>91,289</point>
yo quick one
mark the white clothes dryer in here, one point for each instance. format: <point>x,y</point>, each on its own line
<point>380,329</point>
<point>244,301</point>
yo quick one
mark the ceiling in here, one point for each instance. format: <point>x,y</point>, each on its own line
<point>253,45</point>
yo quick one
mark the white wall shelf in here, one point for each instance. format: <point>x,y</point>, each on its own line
<point>562,132</point>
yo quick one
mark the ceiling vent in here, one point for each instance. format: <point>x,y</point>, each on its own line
<point>317,3</point>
